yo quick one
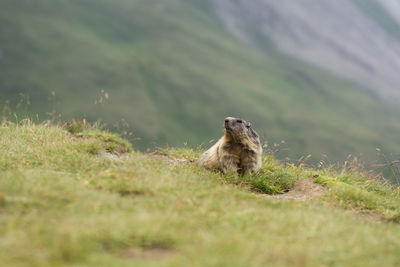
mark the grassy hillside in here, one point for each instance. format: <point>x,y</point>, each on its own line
<point>173,73</point>
<point>61,204</point>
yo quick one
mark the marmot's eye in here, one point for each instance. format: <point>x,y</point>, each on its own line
<point>226,121</point>
<point>239,121</point>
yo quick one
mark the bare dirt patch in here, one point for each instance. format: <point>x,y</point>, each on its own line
<point>302,190</point>
<point>150,254</point>
<point>370,216</point>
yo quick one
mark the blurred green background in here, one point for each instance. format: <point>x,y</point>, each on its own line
<point>170,71</point>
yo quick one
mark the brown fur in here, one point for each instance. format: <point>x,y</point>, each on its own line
<point>237,152</point>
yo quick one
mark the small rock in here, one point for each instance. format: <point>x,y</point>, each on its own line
<point>109,156</point>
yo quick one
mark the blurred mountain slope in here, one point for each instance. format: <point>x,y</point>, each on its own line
<point>173,73</point>
<point>358,40</point>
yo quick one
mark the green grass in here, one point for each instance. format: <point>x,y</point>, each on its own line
<point>62,205</point>
<point>364,195</point>
<point>173,73</point>
<point>109,142</point>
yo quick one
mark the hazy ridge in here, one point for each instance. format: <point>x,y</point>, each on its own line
<point>339,36</point>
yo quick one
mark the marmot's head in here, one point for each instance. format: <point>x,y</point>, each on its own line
<point>240,130</point>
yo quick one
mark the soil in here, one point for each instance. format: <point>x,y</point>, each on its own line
<point>302,190</point>
<point>153,253</point>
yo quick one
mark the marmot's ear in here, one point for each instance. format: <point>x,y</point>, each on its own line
<point>248,124</point>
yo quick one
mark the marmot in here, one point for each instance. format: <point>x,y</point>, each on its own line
<point>237,152</point>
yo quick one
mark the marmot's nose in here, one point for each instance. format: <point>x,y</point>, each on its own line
<point>226,125</point>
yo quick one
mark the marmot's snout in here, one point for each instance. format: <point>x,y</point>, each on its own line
<point>233,123</point>
<point>227,125</point>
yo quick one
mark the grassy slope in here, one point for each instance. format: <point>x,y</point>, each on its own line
<point>62,205</point>
<point>173,73</point>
